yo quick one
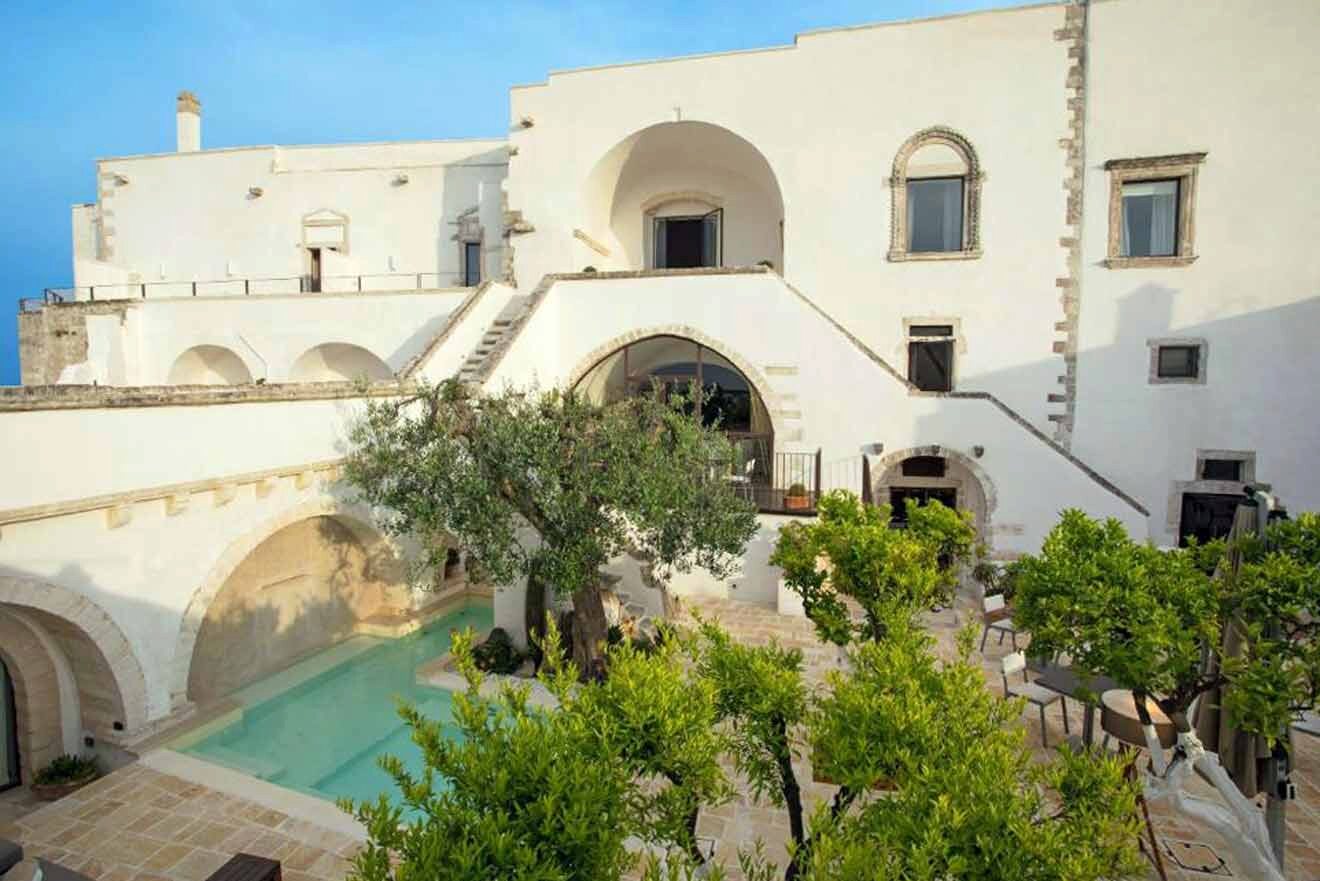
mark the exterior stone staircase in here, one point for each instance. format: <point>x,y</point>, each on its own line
<point>497,337</point>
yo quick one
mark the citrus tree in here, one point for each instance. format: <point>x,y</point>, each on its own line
<point>853,552</point>
<point>934,780</point>
<point>1154,621</point>
<point>448,465</point>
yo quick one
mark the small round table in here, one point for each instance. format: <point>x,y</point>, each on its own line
<point>1119,719</point>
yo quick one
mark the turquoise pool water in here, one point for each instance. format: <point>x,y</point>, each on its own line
<point>319,726</point>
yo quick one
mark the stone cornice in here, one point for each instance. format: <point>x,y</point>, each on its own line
<point>99,397</point>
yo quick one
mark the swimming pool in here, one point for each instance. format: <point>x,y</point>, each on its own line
<point>319,726</point>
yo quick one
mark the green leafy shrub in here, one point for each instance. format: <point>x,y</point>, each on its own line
<point>66,769</point>
<point>497,654</point>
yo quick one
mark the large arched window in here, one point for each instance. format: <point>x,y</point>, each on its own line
<point>936,188</point>
<point>705,378</point>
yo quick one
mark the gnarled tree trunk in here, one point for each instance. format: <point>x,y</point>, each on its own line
<point>590,631</point>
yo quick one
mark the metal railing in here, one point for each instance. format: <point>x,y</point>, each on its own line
<point>36,304</point>
<point>777,483</point>
<point>238,287</point>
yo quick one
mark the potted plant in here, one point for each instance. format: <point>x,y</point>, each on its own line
<point>796,499</point>
<point>64,775</point>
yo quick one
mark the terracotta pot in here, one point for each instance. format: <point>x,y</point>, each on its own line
<point>797,503</point>
<point>53,791</point>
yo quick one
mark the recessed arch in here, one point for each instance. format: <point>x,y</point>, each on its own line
<point>209,365</point>
<point>385,556</point>
<point>338,362</point>
<point>685,168</point>
<point>977,491</point>
<point>932,155</point>
<point>112,687</point>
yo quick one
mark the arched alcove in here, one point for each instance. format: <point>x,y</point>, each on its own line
<point>338,362</point>
<point>304,587</point>
<point>934,472</point>
<point>209,365</point>
<point>685,183</point>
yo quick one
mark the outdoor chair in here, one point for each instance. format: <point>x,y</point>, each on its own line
<point>1037,695</point>
<point>997,616</point>
<point>742,483</point>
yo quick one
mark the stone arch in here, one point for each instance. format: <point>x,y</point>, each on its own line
<point>32,671</point>
<point>338,362</point>
<point>711,165</point>
<point>357,519</point>
<point>744,365</point>
<point>111,684</point>
<point>208,364</point>
<point>885,474</point>
<point>972,173</point>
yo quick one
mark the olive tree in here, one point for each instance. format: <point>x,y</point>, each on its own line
<point>448,465</point>
<point>1154,621</point>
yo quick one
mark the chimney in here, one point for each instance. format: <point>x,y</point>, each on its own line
<point>189,113</point>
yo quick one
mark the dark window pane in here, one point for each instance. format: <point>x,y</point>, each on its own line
<point>1206,516</point>
<point>472,264</point>
<point>923,466</point>
<point>1150,219</point>
<point>930,330</point>
<point>1178,362</point>
<point>1221,469</point>
<point>935,214</point>
<point>930,365</point>
<point>899,495</point>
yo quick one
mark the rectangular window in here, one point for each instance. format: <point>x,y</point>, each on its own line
<point>930,365</point>
<point>1222,469</point>
<point>471,264</point>
<point>1206,516</point>
<point>923,466</point>
<point>899,495</point>
<point>1178,362</point>
<point>935,214</point>
<point>1150,218</point>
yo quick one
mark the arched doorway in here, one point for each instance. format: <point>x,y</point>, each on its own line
<point>9,776</point>
<point>303,588</point>
<point>681,195</point>
<point>925,473</point>
<point>709,382</point>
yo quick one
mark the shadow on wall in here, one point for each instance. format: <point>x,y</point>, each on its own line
<point>1257,396</point>
<point>304,588</point>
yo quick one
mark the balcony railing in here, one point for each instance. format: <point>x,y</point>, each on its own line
<point>238,287</point>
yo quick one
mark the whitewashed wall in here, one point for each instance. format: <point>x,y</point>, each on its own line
<point>1253,293</point>
<point>185,217</point>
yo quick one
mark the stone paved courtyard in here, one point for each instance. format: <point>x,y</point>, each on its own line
<point>137,824</point>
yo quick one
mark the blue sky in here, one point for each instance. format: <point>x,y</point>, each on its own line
<point>88,79</point>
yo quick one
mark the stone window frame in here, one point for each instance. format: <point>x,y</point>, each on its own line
<point>1182,167</point>
<point>1177,488</point>
<point>1202,364</point>
<point>971,227</point>
<point>959,348</point>
<point>326,218</point>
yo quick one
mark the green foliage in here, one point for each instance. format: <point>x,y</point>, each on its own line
<point>66,769</point>
<point>1130,611</point>
<point>533,794</point>
<point>497,654</point>
<point>450,466</point>
<point>966,799</point>
<point>852,551</point>
<point>1148,618</point>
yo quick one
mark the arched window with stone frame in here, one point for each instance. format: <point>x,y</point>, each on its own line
<point>936,188</point>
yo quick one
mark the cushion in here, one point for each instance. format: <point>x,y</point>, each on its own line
<point>11,854</point>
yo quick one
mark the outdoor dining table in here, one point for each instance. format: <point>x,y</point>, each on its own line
<point>1068,682</point>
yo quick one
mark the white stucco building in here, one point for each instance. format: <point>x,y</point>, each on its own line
<point>1043,257</point>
